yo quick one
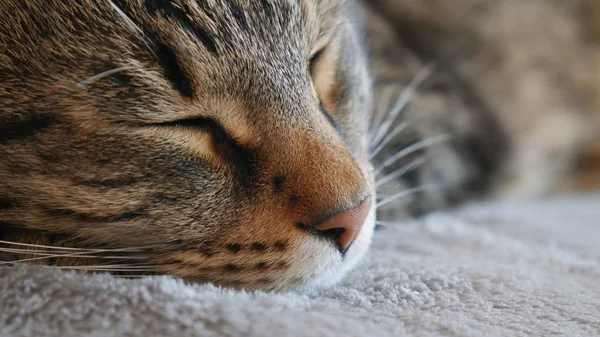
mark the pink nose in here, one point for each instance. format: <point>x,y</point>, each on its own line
<point>348,224</point>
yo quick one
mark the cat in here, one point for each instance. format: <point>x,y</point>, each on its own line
<point>221,141</point>
<point>248,143</point>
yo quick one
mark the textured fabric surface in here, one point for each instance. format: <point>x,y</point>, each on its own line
<point>494,270</point>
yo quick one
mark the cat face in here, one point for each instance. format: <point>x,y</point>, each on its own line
<point>221,141</point>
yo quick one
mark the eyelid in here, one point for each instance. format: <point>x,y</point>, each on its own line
<point>317,55</point>
<point>319,48</point>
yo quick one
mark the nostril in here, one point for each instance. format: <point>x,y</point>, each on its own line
<point>333,234</point>
<point>345,226</point>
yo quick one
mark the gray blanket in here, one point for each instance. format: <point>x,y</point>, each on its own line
<point>494,270</point>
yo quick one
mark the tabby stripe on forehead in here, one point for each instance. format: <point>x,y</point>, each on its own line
<point>239,15</point>
<point>268,8</point>
<point>20,127</point>
<point>181,17</point>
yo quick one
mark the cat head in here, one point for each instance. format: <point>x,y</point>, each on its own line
<point>221,141</point>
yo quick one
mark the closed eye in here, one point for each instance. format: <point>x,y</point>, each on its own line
<point>315,58</point>
<point>223,144</point>
<point>321,77</point>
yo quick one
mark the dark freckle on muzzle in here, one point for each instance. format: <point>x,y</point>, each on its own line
<point>293,199</point>
<point>278,182</point>
<point>260,265</point>
<point>281,246</point>
<point>231,267</point>
<point>234,248</point>
<point>258,246</point>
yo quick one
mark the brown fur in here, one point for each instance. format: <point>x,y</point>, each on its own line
<point>201,141</point>
<point>208,143</point>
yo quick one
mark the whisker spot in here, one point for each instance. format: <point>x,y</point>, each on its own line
<point>234,248</point>
<point>231,267</point>
<point>258,246</point>
<point>281,246</point>
<point>260,265</point>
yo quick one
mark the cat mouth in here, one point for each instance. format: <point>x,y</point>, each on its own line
<point>298,261</point>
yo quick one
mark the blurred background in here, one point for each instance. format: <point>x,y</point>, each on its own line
<point>515,83</point>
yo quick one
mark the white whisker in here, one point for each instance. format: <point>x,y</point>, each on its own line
<point>50,256</point>
<point>397,130</point>
<point>35,252</point>
<point>427,142</point>
<point>102,75</point>
<point>405,194</point>
<point>400,172</point>
<point>380,112</point>
<point>391,224</point>
<point>113,268</point>
<point>94,268</point>
<point>89,250</point>
<point>134,28</point>
<point>403,100</point>
<point>146,225</point>
<point>38,258</point>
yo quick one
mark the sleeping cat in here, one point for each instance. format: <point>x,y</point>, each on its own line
<point>221,141</point>
<point>225,141</point>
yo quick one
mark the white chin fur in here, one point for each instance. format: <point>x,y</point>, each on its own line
<point>325,263</point>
